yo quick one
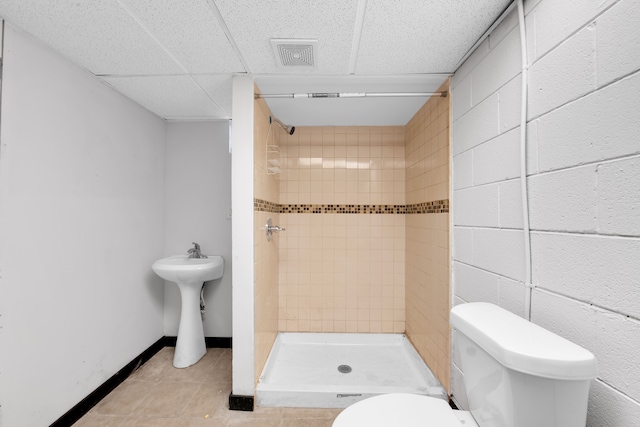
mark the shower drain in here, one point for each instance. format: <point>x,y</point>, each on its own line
<point>345,369</point>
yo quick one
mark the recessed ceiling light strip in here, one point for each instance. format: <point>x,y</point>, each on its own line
<point>350,95</point>
<point>357,35</point>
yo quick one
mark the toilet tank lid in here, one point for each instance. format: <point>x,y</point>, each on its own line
<point>521,345</point>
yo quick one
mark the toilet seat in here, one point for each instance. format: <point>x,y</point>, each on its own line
<point>398,410</point>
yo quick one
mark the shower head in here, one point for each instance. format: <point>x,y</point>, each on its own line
<point>289,129</point>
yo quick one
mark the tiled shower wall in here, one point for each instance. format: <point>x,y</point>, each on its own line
<point>266,188</point>
<point>427,234</point>
<point>367,245</point>
<point>342,257</point>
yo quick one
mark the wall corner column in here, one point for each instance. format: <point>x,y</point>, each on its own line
<point>243,380</point>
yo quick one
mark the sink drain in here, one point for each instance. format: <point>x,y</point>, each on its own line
<point>344,369</point>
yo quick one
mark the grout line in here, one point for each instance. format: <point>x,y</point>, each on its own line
<point>585,302</point>
<point>590,163</point>
<point>588,234</point>
<point>559,232</point>
<point>617,390</point>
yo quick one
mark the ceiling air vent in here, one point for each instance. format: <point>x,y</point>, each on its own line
<point>295,52</point>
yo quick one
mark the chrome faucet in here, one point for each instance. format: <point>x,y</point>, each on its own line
<point>194,252</point>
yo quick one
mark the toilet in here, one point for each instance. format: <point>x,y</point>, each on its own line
<point>516,374</point>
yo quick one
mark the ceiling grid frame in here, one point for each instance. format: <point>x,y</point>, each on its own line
<point>177,58</point>
<point>355,47</point>
<point>126,6</point>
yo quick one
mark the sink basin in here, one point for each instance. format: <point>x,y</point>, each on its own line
<point>182,269</point>
<point>189,274</point>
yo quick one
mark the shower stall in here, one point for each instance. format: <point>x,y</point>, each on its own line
<point>364,251</point>
<point>334,370</point>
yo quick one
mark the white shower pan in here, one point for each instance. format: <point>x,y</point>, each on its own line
<point>335,370</point>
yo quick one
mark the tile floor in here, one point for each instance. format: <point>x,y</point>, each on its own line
<point>159,395</point>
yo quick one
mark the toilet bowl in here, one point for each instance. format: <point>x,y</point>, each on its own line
<point>403,410</point>
<point>516,374</point>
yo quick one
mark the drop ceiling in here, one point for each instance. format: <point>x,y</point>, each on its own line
<point>177,57</point>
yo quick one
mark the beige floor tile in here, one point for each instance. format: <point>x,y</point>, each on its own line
<point>308,417</point>
<point>99,420</point>
<point>308,422</point>
<point>159,395</point>
<point>154,422</point>
<point>258,412</point>
<point>196,373</point>
<point>226,352</point>
<point>310,413</point>
<point>167,399</point>
<point>154,368</point>
<point>221,372</point>
<point>255,422</point>
<point>124,399</point>
<point>207,422</point>
<point>211,400</point>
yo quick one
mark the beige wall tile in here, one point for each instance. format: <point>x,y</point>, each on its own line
<point>427,248</point>
<point>344,248</point>
<point>266,254</point>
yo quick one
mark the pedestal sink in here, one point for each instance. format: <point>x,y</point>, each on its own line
<point>189,274</point>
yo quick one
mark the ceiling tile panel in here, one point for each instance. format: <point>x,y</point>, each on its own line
<point>189,30</point>
<point>170,97</point>
<point>98,35</point>
<point>422,36</point>
<point>219,88</point>
<point>253,23</point>
<point>174,56</point>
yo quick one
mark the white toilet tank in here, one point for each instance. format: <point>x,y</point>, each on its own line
<point>518,374</point>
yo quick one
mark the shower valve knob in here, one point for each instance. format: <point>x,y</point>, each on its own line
<point>270,228</point>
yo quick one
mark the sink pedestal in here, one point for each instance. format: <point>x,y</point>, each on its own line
<point>190,346</point>
<point>189,274</point>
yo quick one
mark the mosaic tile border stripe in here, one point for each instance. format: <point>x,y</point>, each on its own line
<point>265,206</point>
<point>436,206</point>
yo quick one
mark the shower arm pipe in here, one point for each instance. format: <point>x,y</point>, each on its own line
<point>350,95</point>
<point>528,286</point>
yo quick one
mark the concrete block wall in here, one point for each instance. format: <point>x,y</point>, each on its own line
<point>583,167</point>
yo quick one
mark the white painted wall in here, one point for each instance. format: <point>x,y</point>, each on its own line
<point>243,365</point>
<point>584,181</point>
<point>81,221</point>
<point>197,202</point>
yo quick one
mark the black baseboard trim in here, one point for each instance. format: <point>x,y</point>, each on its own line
<point>240,403</point>
<point>452,404</point>
<point>218,342</point>
<point>210,342</point>
<point>85,405</point>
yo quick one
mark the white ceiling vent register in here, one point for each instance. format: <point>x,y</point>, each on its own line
<point>295,52</point>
